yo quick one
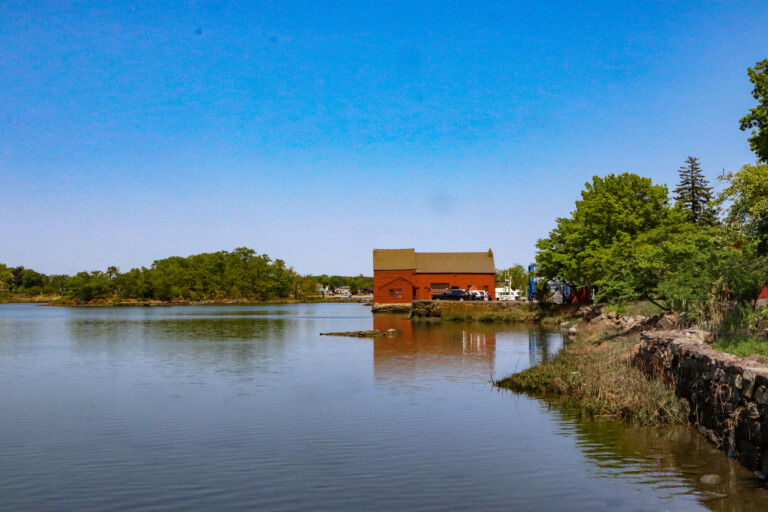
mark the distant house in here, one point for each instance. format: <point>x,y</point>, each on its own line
<point>403,275</point>
<point>344,290</point>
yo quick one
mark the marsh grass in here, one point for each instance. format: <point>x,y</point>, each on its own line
<point>489,313</point>
<point>498,312</point>
<point>743,346</point>
<point>593,375</point>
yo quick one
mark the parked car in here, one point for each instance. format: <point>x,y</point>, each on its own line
<point>480,295</point>
<point>455,294</point>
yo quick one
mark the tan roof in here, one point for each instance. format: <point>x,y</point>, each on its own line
<point>455,263</point>
<point>394,259</point>
<point>434,262</point>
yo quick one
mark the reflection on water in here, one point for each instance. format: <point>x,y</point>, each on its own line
<point>669,459</point>
<point>248,408</point>
<point>455,350</point>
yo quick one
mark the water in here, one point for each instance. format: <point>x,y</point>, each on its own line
<point>249,408</point>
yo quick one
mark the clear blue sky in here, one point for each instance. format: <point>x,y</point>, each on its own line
<point>316,131</point>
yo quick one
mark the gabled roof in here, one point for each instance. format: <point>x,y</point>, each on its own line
<point>434,262</point>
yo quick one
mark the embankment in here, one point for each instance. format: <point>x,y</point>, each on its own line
<point>491,311</point>
<point>724,396</point>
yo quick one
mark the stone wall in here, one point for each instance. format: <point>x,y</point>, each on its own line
<point>391,308</point>
<point>726,396</point>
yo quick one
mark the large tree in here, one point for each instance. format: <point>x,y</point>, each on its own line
<point>611,209</point>
<point>757,119</point>
<point>694,194</point>
<point>747,192</point>
<point>696,269</point>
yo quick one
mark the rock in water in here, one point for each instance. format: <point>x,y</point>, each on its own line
<point>711,479</point>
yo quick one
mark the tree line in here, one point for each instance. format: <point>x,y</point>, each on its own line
<point>701,254</point>
<point>241,274</point>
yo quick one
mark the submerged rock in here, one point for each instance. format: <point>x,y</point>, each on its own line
<point>711,479</point>
<point>363,334</point>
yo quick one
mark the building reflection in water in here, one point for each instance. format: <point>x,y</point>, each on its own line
<point>453,351</point>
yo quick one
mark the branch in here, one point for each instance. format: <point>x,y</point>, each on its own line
<point>649,299</point>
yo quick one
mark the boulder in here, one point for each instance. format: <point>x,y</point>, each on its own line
<point>666,322</point>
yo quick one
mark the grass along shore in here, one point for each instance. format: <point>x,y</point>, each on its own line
<point>58,300</point>
<point>593,376</point>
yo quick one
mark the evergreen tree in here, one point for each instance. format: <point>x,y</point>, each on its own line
<point>694,194</point>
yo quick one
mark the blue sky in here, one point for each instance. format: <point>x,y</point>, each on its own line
<point>316,131</point>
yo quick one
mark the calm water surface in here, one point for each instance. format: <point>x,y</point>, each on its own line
<point>249,408</point>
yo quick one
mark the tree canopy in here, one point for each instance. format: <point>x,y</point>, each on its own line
<point>757,119</point>
<point>747,192</point>
<point>685,267</point>
<point>611,209</point>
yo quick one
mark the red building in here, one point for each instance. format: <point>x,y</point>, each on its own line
<point>764,293</point>
<point>402,275</point>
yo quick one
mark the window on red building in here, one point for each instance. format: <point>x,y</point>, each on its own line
<point>391,292</point>
<point>399,292</point>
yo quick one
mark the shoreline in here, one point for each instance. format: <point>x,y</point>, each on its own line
<point>649,374</point>
<point>58,302</point>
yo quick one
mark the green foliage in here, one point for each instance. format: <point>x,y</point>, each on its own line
<point>611,209</point>
<point>88,286</point>
<point>703,271</point>
<point>542,292</point>
<point>747,192</point>
<point>757,119</point>
<point>6,278</point>
<point>743,346</point>
<point>694,194</point>
<point>238,275</point>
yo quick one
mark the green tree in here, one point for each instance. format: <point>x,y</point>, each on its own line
<point>6,278</point>
<point>747,192</point>
<point>611,209</point>
<point>694,194</point>
<point>757,119</point>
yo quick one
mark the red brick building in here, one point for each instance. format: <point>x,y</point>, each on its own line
<point>402,275</point>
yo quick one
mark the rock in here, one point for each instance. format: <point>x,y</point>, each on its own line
<point>363,334</point>
<point>711,479</point>
<point>666,322</point>
<point>590,312</point>
<point>573,330</point>
<point>612,315</point>
<point>763,477</point>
